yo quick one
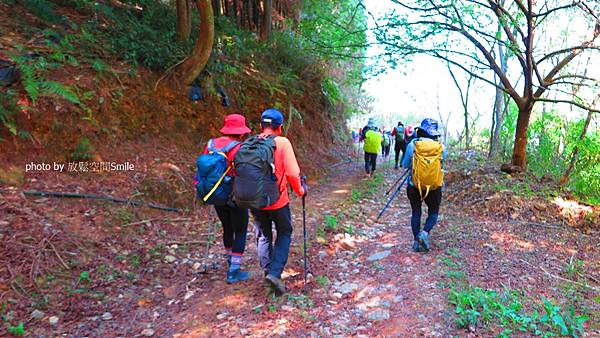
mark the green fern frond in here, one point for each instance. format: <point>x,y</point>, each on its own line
<point>57,88</point>
<point>30,80</point>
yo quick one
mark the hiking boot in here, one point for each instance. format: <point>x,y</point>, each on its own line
<point>276,283</point>
<point>234,276</point>
<point>396,166</point>
<point>424,240</point>
<point>416,246</point>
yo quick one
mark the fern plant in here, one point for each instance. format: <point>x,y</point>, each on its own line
<point>8,108</point>
<point>32,77</point>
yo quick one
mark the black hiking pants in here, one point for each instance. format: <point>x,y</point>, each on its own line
<point>370,162</point>
<point>235,227</point>
<point>273,258</point>
<point>433,201</point>
<point>400,146</point>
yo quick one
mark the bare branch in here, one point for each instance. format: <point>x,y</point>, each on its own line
<point>567,50</point>
<point>577,104</point>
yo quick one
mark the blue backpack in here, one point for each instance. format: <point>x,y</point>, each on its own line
<point>213,185</point>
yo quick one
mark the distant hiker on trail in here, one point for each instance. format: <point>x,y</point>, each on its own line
<point>386,144</point>
<point>398,134</point>
<point>273,259</point>
<point>233,219</point>
<point>354,135</point>
<point>424,158</point>
<point>370,126</point>
<point>373,140</point>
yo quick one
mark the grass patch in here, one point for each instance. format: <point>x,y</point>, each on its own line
<point>510,310</point>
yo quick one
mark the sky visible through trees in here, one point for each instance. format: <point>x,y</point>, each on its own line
<point>417,89</point>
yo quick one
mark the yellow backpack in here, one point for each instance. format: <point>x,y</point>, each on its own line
<point>427,173</point>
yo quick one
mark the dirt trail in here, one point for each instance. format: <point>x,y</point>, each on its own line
<point>377,287</point>
<point>365,282</point>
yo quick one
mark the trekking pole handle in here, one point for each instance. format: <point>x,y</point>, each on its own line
<point>304,186</point>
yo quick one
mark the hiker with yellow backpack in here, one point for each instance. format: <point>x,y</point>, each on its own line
<point>424,159</point>
<point>373,141</point>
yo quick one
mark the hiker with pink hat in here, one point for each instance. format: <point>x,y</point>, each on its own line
<point>213,166</point>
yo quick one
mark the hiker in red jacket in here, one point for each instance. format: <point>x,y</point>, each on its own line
<point>233,219</point>
<point>273,258</point>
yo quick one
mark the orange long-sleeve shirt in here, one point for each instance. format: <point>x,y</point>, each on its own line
<point>286,170</point>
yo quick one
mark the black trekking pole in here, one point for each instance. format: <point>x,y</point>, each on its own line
<point>398,180</point>
<point>391,198</point>
<point>303,180</point>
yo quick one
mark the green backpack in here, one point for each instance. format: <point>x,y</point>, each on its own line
<point>386,140</point>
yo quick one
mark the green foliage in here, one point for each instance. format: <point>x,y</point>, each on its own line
<point>331,222</point>
<point>8,110</point>
<point>148,39</point>
<point>135,261</point>
<point>475,306</point>
<point>125,215</point>
<point>322,280</point>
<point>84,277</point>
<point>552,140</point>
<point>35,69</point>
<point>44,10</point>
<point>16,331</point>
<point>349,229</point>
<point>356,195</point>
<point>82,151</point>
<point>301,301</point>
<point>331,90</point>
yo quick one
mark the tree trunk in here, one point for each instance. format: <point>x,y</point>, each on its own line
<point>255,15</point>
<point>236,12</point>
<point>467,133</point>
<point>184,27</point>
<point>267,20</point>
<point>498,107</point>
<point>519,157</point>
<point>192,66</point>
<point>216,5</point>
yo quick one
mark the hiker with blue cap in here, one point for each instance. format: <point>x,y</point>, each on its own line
<point>266,164</point>
<point>424,159</point>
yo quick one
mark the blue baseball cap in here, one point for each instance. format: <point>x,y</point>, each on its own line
<point>430,126</point>
<point>272,116</point>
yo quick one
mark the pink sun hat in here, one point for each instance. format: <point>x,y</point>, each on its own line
<point>235,124</point>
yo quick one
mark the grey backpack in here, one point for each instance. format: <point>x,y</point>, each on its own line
<point>255,185</point>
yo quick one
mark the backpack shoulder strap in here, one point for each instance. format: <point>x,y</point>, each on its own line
<point>211,145</point>
<point>229,146</point>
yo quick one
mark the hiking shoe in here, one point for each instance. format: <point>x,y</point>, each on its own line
<point>276,283</point>
<point>416,246</point>
<point>237,276</point>
<point>396,166</point>
<point>424,240</point>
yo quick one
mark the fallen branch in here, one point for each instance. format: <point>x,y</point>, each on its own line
<point>95,197</point>
<point>58,255</point>
<point>349,160</point>
<point>158,219</point>
<point>561,278</point>
<point>185,243</point>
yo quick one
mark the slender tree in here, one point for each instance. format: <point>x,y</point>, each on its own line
<point>184,22</point>
<point>267,20</point>
<point>464,100</point>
